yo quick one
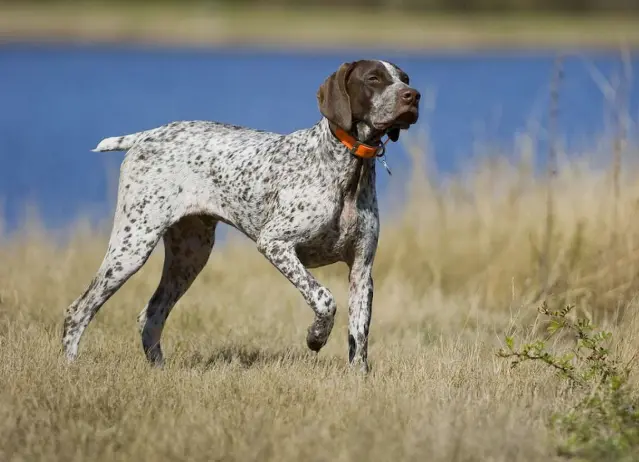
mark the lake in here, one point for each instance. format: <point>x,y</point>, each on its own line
<point>58,101</point>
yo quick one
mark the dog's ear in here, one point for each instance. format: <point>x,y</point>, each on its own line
<point>333,99</point>
<point>393,134</point>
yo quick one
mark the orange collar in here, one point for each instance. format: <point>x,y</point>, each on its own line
<point>356,148</point>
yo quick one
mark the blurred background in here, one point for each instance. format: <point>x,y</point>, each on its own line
<point>73,73</point>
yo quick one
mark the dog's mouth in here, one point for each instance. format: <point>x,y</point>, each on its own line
<point>402,122</point>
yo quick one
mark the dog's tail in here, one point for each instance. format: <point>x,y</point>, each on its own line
<point>119,143</point>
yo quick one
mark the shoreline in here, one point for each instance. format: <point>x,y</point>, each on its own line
<point>313,29</point>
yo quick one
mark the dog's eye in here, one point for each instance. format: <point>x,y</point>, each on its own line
<point>373,79</point>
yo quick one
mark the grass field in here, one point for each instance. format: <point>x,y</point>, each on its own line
<point>458,268</point>
<point>326,28</point>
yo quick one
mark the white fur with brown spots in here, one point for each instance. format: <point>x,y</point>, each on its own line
<point>303,198</point>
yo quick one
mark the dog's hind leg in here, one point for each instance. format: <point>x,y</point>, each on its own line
<point>129,248</point>
<point>187,247</point>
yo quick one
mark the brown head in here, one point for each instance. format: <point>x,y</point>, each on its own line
<point>369,99</point>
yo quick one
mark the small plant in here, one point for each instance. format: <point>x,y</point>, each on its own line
<point>604,424</point>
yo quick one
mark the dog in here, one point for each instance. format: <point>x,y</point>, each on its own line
<point>306,199</point>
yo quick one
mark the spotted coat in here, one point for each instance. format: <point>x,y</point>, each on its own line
<point>302,198</point>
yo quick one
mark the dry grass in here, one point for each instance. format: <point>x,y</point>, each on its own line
<point>457,269</point>
<point>207,24</point>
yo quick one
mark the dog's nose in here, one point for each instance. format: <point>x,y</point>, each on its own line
<point>411,96</point>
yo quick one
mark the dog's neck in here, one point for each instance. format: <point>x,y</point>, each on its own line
<point>365,133</point>
<point>347,166</point>
<point>361,131</point>
<point>354,174</point>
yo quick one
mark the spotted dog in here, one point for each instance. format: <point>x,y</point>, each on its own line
<point>306,199</point>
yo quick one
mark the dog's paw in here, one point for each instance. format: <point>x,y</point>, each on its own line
<point>318,333</point>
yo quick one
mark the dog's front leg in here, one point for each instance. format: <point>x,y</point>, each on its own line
<point>281,253</point>
<point>360,278</point>
<point>360,305</point>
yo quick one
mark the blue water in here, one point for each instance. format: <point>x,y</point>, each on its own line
<point>58,101</point>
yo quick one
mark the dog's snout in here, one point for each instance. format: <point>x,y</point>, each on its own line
<point>410,96</point>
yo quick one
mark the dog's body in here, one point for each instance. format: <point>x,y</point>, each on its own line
<point>303,198</point>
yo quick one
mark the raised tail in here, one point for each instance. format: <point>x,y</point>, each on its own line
<point>118,143</point>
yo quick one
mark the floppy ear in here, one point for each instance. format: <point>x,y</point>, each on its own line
<point>333,99</point>
<point>393,134</point>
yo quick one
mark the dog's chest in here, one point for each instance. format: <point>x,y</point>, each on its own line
<point>341,229</point>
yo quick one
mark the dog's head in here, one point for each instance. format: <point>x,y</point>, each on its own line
<point>375,93</point>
